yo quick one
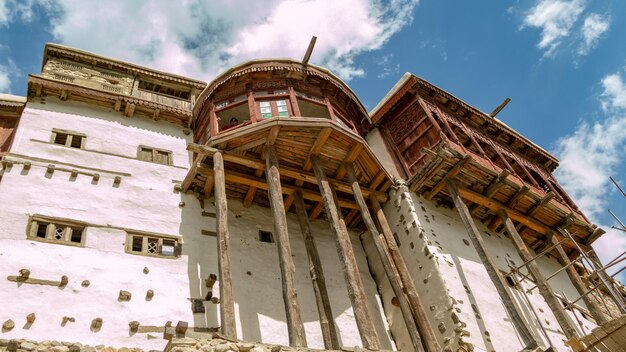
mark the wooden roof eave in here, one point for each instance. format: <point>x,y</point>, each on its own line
<point>119,64</point>
<point>172,114</point>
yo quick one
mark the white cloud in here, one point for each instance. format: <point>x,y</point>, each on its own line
<point>555,18</point>
<point>593,28</point>
<point>200,39</point>
<point>593,153</point>
<point>4,12</point>
<point>388,67</point>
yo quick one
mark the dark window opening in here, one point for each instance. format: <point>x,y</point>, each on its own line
<point>165,90</point>
<point>60,138</point>
<point>41,229</point>
<point>395,236</point>
<point>510,281</point>
<point>266,236</point>
<point>77,235</point>
<point>137,244</point>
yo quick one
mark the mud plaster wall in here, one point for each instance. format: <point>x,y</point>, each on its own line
<point>377,144</point>
<point>442,260</point>
<point>145,201</point>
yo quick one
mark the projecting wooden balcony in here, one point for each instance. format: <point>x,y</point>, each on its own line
<point>296,140</point>
<point>489,189</point>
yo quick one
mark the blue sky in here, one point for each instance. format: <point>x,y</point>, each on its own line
<point>562,62</point>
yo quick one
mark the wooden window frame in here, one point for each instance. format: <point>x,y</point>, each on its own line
<point>273,106</point>
<point>154,154</point>
<point>145,238</point>
<point>70,135</point>
<point>52,224</point>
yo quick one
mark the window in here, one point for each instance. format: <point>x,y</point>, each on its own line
<point>152,245</point>
<point>56,231</point>
<point>68,139</point>
<point>271,108</point>
<point>266,236</point>
<point>154,155</point>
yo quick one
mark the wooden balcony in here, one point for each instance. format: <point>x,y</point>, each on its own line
<point>296,140</point>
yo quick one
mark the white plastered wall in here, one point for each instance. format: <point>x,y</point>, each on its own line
<point>145,200</point>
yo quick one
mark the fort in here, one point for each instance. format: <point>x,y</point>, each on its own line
<point>137,215</point>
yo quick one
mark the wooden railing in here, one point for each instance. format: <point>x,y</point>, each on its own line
<point>162,99</point>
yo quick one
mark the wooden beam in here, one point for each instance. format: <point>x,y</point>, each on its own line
<point>350,157</point>
<point>591,302</point>
<point>545,290</point>
<point>250,145</point>
<point>327,319</point>
<point>295,328</point>
<point>521,192</point>
<point>497,183</point>
<point>317,146</point>
<point>271,138</point>
<point>413,312</point>
<point>208,187</point>
<point>494,206</point>
<point>247,201</point>
<point>259,183</point>
<point>492,270</point>
<point>545,200</point>
<point>316,211</point>
<point>286,171</point>
<point>227,303</point>
<point>352,277</point>
<point>458,167</point>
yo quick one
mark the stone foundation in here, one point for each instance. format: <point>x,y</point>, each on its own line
<point>56,346</point>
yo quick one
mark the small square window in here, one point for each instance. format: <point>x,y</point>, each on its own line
<point>152,246</point>
<point>55,231</point>
<point>154,155</point>
<point>68,139</point>
<point>266,236</point>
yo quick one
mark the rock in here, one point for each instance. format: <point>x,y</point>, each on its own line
<point>8,325</point>
<point>109,349</point>
<point>257,349</point>
<point>13,345</point>
<point>74,348</point>
<point>441,327</point>
<point>123,349</point>
<point>87,349</point>
<point>223,347</point>
<point>4,342</point>
<point>60,348</point>
<point>275,349</point>
<point>124,296</point>
<point>27,346</point>
<point>245,346</point>
<point>207,348</point>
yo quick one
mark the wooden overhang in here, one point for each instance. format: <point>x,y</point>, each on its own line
<point>410,84</point>
<point>295,139</point>
<point>488,188</point>
<point>42,86</point>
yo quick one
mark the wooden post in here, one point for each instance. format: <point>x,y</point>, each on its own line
<point>213,123</point>
<point>490,266</point>
<point>542,284</point>
<point>352,277</point>
<point>391,269</point>
<point>327,320</point>
<point>227,304</point>
<point>252,106</point>
<point>297,337</point>
<point>591,302</point>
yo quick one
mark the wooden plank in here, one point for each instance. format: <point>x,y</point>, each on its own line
<point>458,167</point>
<point>591,302</point>
<point>295,328</point>
<point>352,277</point>
<point>545,290</point>
<point>227,303</point>
<point>316,211</point>
<point>327,320</point>
<point>352,155</point>
<point>497,183</point>
<point>492,270</point>
<point>521,192</point>
<point>391,270</point>
<point>271,138</point>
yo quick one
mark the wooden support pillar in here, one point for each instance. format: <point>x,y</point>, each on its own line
<point>227,304</point>
<point>591,302</point>
<point>542,284</point>
<point>297,337</point>
<point>213,123</point>
<point>490,266</point>
<point>390,268</point>
<point>252,107</point>
<point>327,320</point>
<point>352,277</point>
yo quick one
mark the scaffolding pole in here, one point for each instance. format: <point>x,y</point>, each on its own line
<point>593,288</point>
<point>547,250</point>
<point>609,286</point>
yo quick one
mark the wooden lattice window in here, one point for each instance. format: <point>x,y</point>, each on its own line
<point>68,138</point>
<point>59,231</point>
<point>154,155</point>
<point>153,245</point>
<point>272,108</point>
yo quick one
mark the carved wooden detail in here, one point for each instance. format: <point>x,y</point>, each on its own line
<point>83,75</point>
